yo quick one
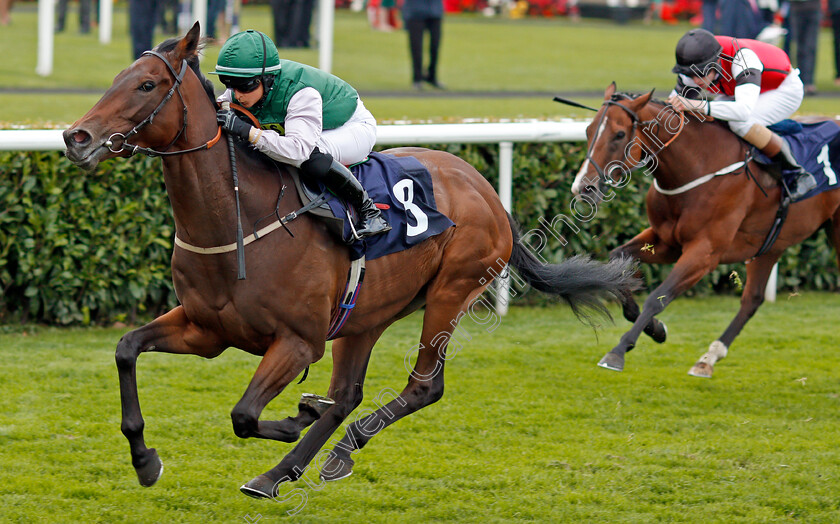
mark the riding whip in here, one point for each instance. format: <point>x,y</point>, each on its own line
<point>573,103</point>
<point>240,246</point>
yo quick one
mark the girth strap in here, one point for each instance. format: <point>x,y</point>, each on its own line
<point>355,277</point>
<point>776,228</point>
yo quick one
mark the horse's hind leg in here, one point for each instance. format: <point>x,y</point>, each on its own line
<point>170,333</point>
<point>425,387</point>
<point>648,248</point>
<point>758,272</point>
<point>350,360</point>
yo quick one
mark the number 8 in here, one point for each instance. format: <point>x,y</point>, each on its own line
<point>404,193</point>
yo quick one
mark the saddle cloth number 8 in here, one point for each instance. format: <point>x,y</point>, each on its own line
<point>404,194</point>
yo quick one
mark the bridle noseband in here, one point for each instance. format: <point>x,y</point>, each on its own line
<point>605,181</point>
<point>176,86</point>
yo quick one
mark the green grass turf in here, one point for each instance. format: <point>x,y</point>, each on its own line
<point>477,55</point>
<point>528,429</point>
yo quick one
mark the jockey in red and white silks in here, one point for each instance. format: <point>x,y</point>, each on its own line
<point>752,85</point>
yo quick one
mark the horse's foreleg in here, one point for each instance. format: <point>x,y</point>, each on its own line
<point>350,360</point>
<point>310,409</point>
<point>284,360</point>
<point>758,272</point>
<point>170,333</point>
<point>695,263</point>
<point>648,248</point>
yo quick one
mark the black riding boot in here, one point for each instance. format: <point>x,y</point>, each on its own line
<point>341,181</point>
<point>779,151</point>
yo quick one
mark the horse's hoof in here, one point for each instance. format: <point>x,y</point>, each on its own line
<point>260,487</point>
<point>702,370</point>
<point>149,468</point>
<point>660,332</point>
<point>337,468</point>
<point>317,403</point>
<point>612,361</point>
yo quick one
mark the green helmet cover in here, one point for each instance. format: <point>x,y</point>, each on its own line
<point>246,54</point>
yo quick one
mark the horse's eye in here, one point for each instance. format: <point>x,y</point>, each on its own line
<point>620,135</point>
<point>147,86</point>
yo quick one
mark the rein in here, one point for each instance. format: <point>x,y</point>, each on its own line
<point>134,149</point>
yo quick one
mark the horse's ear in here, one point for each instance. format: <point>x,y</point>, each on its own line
<point>610,91</point>
<point>188,45</point>
<point>641,101</point>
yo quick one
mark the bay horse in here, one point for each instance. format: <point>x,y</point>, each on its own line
<point>163,105</point>
<point>697,220</point>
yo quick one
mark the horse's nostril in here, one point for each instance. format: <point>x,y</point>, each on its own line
<point>80,137</point>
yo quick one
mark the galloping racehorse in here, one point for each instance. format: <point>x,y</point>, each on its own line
<point>701,214</point>
<point>162,105</point>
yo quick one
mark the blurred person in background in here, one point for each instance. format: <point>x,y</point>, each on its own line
<point>423,16</point>
<point>741,18</point>
<point>768,9</point>
<point>292,19</point>
<point>804,18</point>
<point>5,12</point>
<point>142,18</point>
<point>301,22</point>
<point>709,11</point>
<point>215,8</point>
<point>834,11</point>
<point>84,16</point>
<point>281,12</point>
<point>382,15</point>
<point>168,16</point>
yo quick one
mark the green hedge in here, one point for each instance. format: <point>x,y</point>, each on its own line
<point>79,248</point>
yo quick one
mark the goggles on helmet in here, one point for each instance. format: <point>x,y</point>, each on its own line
<point>243,85</point>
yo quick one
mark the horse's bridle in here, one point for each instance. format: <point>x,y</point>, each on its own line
<point>606,181</point>
<point>176,86</point>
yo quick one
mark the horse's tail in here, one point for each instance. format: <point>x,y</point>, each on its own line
<point>582,283</point>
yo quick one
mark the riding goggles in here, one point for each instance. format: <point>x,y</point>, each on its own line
<point>243,85</point>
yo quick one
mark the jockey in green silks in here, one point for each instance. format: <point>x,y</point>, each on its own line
<point>308,118</point>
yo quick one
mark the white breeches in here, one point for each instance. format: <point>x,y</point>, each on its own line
<point>353,141</point>
<point>773,106</point>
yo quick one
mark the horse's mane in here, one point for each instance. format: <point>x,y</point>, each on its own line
<point>632,96</point>
<point>193,62</point>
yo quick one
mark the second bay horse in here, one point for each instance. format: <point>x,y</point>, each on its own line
<point>697,221</point>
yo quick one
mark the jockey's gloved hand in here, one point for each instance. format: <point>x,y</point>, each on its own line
<point>233,124</point>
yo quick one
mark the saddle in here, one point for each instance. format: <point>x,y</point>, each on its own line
<point>815,144</point>
<point>402,189</point>
<point>310,194</point>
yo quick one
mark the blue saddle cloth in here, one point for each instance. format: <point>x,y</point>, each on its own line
<point>402,189</point>
<point>816,147</point>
